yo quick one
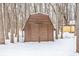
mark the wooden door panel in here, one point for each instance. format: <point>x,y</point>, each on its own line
<point>27,32</point>
<point>34,32</point>
<point>43,32</point>
<point>50,32</point>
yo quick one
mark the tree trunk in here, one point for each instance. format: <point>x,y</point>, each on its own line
<point>16,22</point>
<point>6,20</point>
<point>12,23</point>
<point>62,27</point>
<point>2,40</point>
<point>77,29</point>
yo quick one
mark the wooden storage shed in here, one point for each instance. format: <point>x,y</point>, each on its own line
<point>38,28</point>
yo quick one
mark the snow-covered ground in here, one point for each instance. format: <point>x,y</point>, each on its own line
<point>60,47</point>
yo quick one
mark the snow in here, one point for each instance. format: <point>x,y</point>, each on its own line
<point>72,22</point>
<point>60,47</point>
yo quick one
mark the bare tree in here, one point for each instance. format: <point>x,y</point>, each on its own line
<point>2,39</point>
<point>11,11</point>
<point>6,20</point>
<point>77,27</point>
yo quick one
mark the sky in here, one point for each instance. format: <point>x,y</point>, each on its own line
<point>39,1</point>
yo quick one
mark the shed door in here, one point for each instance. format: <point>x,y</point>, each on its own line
<point>43,32</point>
<point>34,32</point>
<point>39,32</point>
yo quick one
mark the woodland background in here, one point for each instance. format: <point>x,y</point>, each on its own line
<point>14,15</point>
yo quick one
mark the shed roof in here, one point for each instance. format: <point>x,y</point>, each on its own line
<point>39,17</point>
